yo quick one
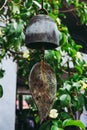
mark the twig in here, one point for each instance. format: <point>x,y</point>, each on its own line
<point>66,11</point>
<point>71,112</point>
<point>3,5</point>
<point>13,52</point>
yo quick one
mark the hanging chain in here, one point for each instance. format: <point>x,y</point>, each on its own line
<point>42,4</point>
<point>42,10</point>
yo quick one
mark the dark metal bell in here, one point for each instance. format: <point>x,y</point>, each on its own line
<point>42,32</point>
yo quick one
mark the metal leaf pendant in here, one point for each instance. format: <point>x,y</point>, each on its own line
<point>43,86</point>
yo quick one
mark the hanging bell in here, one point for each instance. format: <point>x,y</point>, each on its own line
<point>42,32</point>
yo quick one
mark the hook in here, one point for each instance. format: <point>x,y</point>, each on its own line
<point>42,10</point>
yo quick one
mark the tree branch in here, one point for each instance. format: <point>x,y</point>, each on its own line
<point>66,11</point>
<point>3,5</point>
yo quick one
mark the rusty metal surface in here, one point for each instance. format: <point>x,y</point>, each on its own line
<point>42,32</point>
<point>43,85</point>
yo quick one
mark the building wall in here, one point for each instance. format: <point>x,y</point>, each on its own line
<point>7,102</point>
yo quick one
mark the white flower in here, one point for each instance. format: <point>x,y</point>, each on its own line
<point>26,54</point>
<point>0,33</point>
<point>85,65</point>
<point>58,21</point>
<point>84,85</point>
<point>53,113</point>
<point>78,55</point>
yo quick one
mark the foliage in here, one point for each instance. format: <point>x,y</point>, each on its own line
<point>71,92</point>
<point>1,76</point>
<point>1,91</point>
<point>59,125</point>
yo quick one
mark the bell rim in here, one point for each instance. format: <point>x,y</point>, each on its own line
<point>45,45</point>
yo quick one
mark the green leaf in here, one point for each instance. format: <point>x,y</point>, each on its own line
<point>78,102</point>
<point>77,123</point>
<point>78,47</point>
<point>76,77</point>
<point>63,40</point>
<point>54,127</point>
<point>57,55</point>
<point>1,73</point>
<point>65,115</point>
<point>65,99</point>
<point>45,126</point>
<point>1,91</point>
<point>79,69</point>
<point>57,123</point>
<point>17,1</point>
<point>15,8</point>
<point>69,1</point>
<point>67,86</point>
<point>37,3</point>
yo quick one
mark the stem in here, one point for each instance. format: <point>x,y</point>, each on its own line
<point>68,68</point>
<point>71,112</point>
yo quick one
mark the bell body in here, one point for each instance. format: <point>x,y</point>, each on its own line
<point>42,32</point>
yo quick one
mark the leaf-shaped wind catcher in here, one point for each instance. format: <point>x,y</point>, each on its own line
<point>43,86</point>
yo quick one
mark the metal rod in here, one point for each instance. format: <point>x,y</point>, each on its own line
<point>20,102</point>
<point>68,68</point>
<point>42,4</point>
<point>20,120</point>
